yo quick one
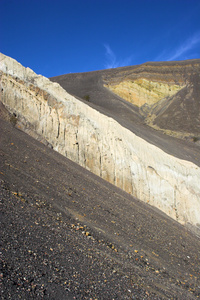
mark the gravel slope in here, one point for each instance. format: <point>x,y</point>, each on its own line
<point>67,234</point>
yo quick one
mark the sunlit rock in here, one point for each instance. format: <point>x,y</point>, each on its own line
<point>100,144</point>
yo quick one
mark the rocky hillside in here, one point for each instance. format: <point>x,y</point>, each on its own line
<point>149,166</point>
<point>164,95</point>
<point>68,234</point>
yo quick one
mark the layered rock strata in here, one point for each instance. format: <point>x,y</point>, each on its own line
<point>167,94</point>
<point>100,144</point>
<point>142,91</point>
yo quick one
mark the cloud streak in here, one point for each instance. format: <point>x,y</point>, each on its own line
<point>110,58</point>
<point>190,48</point>
<point>112,61</point>
<point>188,45</point>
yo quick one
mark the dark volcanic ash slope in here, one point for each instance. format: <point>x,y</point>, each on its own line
<point>68,234</point>
<point>181,112</point>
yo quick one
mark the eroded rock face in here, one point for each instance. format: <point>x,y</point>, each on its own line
<point>100,144</point>
<point>142,91</point>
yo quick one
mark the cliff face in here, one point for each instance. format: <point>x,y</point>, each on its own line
<point>100,144</point>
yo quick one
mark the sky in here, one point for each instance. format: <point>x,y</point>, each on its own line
<point>55,37</point>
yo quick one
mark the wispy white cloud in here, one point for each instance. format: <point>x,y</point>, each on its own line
<point>110,57</point>
<point>190,48</point>
<point>112,61</point>
<point>188,45</point>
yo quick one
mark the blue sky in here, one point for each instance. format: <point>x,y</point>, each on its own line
<point>55,37</point>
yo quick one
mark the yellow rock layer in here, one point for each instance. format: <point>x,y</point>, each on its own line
<point>141,91</point>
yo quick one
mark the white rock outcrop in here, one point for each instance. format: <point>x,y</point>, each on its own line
<point>100,144</point>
